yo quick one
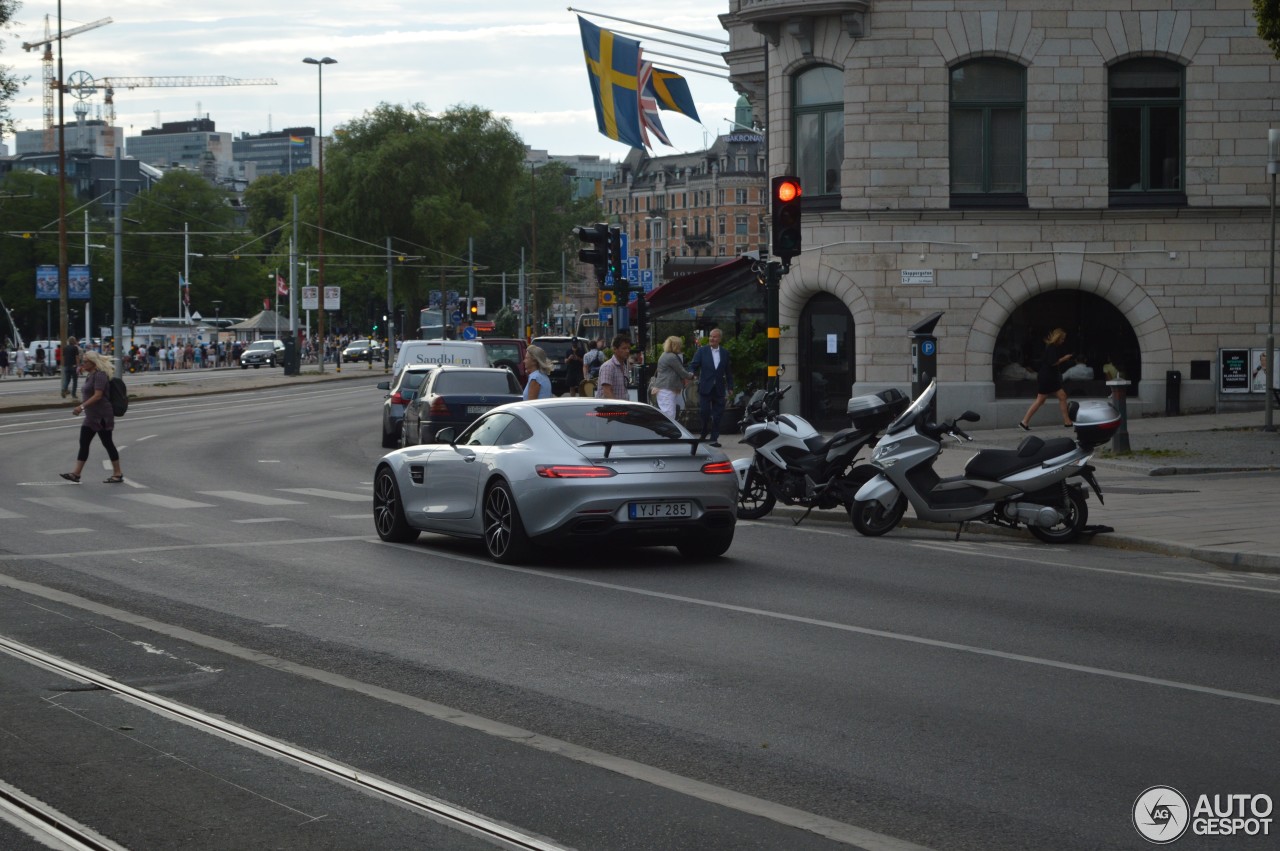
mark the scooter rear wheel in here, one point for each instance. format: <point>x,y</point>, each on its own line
<point>872,519</point>
<point>755,500</point>
<point>1075,518</point>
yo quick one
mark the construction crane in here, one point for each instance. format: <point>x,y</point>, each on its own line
<point>50,83</point>
<point>82,84</point>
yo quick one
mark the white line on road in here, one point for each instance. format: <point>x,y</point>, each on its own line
<point>346,496</point>
<point>163,501</point>
<point>263,520</point>
<point>227,545</point>
<point>253,498</point>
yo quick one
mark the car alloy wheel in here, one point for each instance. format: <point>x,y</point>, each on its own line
<point>388,510</point>
<point>504,535</point>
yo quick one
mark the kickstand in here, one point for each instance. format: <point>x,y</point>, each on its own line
<point>959,529</point>
<point>802,517</point>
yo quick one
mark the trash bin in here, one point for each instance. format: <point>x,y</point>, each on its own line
<point>291,356</point>
<point>1172,393</point>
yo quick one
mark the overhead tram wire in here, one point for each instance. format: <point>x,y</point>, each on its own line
<point>652,26</point>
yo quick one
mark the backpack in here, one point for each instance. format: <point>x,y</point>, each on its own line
<point>118,395</point>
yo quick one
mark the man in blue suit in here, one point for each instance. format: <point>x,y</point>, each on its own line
<point>715,382</point>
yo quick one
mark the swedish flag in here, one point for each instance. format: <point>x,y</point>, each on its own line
<point>672,92</point>
<point>613,65</point>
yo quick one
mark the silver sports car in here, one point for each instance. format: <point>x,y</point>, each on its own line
<point>567,470</point>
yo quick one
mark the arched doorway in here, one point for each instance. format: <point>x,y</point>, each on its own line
<point>826,362</point>
<point>1097,334</point>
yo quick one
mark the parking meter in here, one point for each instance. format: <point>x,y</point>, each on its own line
<point>924,358</point>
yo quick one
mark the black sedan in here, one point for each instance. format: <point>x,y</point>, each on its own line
<point>369,350</point>
<point>454,397</point>
<point>399,394</point>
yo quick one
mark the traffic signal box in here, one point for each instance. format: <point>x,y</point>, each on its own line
<point>597,251</point>
<point>786,218</point>
<point>615,258</point>
<point>473,310</point>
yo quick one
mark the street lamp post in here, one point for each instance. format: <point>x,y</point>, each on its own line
<point>320,63</point>
<point>1273,168</point>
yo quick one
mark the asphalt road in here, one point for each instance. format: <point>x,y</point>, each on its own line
<point>812,689</point>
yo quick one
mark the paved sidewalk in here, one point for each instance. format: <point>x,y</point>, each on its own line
<point>1203,486</point>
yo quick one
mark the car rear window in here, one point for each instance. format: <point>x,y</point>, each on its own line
<point>605,422</point>
<point>461,383</point>
<point>412,379</point>
<point>497,352</point>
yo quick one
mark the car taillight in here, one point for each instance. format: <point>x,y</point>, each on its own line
<point>439,408</point>
<point>717,467</point>
<point>572,471</point>
<point>397,399</point>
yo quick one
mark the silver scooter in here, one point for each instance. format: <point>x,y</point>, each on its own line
<point>1029,486</point>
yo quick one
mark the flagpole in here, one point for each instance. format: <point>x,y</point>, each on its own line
<point>652,26</point>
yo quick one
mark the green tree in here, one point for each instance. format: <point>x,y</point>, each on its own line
<point>8,82</point>
<point>28,238</point>
<point>1267,13</point>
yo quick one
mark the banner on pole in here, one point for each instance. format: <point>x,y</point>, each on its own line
<point>333,298</point>
<point>310,298</point>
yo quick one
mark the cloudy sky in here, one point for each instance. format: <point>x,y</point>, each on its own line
<point>522,59</point>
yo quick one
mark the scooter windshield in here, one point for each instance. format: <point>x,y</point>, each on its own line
<point>917,409</point>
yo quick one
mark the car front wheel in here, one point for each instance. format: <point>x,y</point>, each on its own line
<point>504,535</point>
<point>388,510</point>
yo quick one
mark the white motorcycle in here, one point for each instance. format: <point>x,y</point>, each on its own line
<point>1030,485</point>
<point>794,464</point>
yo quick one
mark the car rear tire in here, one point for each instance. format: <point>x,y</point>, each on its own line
<point>504,535</point>
<point>707,544</point>
<point>388,510</point>
<point>389,441</point>
<point>242,366</point>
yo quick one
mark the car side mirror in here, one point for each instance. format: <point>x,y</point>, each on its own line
<point>384,385</point>
<point>447,435</point>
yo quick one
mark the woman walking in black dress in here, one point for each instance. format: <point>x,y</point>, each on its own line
<point>1049,378</point>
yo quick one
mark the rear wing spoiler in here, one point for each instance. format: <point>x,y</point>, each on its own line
<point>666,441</point>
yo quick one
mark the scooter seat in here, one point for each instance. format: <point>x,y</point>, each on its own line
<point>994,464</point>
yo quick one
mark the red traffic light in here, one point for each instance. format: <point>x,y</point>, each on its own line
<point>787,190</point>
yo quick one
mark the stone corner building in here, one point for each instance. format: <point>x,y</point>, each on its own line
<point>1095,166</point>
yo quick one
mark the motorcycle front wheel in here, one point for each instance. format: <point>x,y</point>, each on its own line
<point>872,519</point>
<point>1075,517</point>
<point>755,500</point>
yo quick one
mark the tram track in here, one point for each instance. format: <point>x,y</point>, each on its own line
<point>23,810</point>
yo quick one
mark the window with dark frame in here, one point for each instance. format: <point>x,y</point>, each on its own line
<point>1147,108</point>
<point>818,128</point>
<point>988,134</point>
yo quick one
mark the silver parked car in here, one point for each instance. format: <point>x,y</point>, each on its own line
<point>400,393</point>
<point>555,471</point>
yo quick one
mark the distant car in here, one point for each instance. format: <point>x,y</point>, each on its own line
<point>259,352</point>
<point>608,474</point>
<point>454,396</point>
<point>400,393</point>
<point>507,352</point>
<point>368,350</point>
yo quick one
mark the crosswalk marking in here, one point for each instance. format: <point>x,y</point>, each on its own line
<point>63,531</point>
<point>364,516</point>
<point>76,506</point>
<point>252,498</point>
<point>263,520</point>
<point>9,515</point>
<point>159,500</point>
<point>327,494</point>
<point>157,525</point>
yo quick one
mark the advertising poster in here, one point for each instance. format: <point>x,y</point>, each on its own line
<point>78,285</point>
<point>310,298</point>
<point>1258,369</point>
<point>47,282</point>
<point>1233,370</point>
<point>333,298</point>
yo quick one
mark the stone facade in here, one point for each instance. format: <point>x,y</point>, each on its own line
<point>1188,278</point>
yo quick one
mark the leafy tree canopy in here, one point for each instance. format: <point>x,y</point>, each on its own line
<point>1267,13</point>
<point>9,83</point>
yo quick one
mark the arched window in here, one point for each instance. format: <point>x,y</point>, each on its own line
<point>1144,144</point>
<point>988,133</point>
<point>818,122</point>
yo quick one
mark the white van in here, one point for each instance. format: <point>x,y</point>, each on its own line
<point>454,352</point>
<point>50,352</point>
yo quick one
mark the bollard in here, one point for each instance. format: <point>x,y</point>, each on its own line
<point>1120,442</point>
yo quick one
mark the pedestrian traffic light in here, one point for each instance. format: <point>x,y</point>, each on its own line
<point>616,265</point>
<point>597,253</point>
<point>786,218</point>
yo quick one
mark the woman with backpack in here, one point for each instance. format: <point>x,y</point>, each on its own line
<point>99,418</point>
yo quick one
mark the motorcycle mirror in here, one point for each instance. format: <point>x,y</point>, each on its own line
<point>782,370</point>
<point>969,417</point>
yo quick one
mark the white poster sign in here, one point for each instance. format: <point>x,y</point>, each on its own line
<point>333,298</point>
<point>310,298</point>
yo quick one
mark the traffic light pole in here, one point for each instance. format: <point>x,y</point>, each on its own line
<point>773,328</point>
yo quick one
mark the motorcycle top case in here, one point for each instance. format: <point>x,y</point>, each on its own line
<point>1096,423</point>
<point>874,411</point>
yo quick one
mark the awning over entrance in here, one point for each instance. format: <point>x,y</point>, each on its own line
<point>701,287</point>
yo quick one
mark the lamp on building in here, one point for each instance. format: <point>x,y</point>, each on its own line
<point>320,63</point>
<point>1273,168</point>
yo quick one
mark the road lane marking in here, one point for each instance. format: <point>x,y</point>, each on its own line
<point>749,804</point>
<point>63,531</point>
<point>225,545</point>
<point>263,520</point>
<point>365,516</point>
<point>160,500</point>
<point>157,525</point>
<point>5,514</point>
<point>346,496</point>
<point>76,506</point>
<point>252,498</point>
<point>906,638</point>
